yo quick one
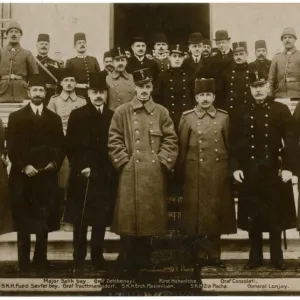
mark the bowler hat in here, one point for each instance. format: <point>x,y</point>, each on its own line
<point>13,25</point>
<point>260,44</point>
<point>239,46</point>
<point>142,76</point>
<point>43,37</point>
<point>140,39</point>
<point>205,85</point>
<point>37,80</point>
<point>195,38</point>
<point>258,77</point>
<point>79,36</point>
<point>289,30</point>
<point>98,81</point>
<point>160,38</point>
<point>221,35</point>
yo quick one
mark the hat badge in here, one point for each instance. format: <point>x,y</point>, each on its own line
<point>256,74</point>
<point>177,47</point>
<point>142,74</point>
<point>119,49</point>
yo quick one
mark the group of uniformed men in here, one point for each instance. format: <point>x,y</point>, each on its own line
<point>115,143</point>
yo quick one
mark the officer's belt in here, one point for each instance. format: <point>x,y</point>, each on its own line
<point>50,86</point>
<point>292,79</point>
<point>13,77</point>
<point>82,85</point>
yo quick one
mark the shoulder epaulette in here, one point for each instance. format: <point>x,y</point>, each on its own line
<point>187,112</point>
<point>79,96</point>
<point>223,111</point>
<point>54,96</point>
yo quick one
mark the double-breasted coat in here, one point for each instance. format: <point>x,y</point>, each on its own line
<point>203,163</point>
<point>142,146</point>
<point>37,141</point>
<point>6,221</point>
<point>163,62</point>
<point>87,147</point>
<point>15,61</point>
<point>121,88</point>
<point>174,90</point>
<point>264,200</point>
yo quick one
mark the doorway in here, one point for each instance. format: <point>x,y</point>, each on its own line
<point>177,20</point>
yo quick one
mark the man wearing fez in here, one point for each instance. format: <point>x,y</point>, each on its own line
<point>261,62</point>
<point>120,82</point>
<point>47,67</point>
<point>206,48</point>
<point>16,66</point>
<point>139,60</point>
<point>194,61</point>
<point>35,143</point>
<point>235,81</point>
<point>173,88</point>
<point>266,202</point>
<point>107,61</point>
<point>203,163</point>
<point>92,173</point>
<point>284,75</point>
<point>161,51</point>
<point>143,148</point>
<point>82,65</point>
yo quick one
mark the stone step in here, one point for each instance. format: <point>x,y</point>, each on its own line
<point>60,247</point>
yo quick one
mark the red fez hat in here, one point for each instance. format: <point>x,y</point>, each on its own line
<point>260,44</point>
<point>207,42</point>
<point>160,38</point>
<point>43,37</point>
<point>107,54</point>
<point>79,36</point>
<point>37,80</point>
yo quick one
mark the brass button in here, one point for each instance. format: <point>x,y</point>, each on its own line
<point>137,141</point>
<point>252,157</point>
<point>216,141</point>
<point>217,159</point>
<point>137,161</point>
<point>115,160</point>
<point>169,159</point>
<point>152,142</point>
<point>153,161</point>
<point>138,151</point>
<point>153,151</point>
<point>201,159</point>
<point>151,123</point>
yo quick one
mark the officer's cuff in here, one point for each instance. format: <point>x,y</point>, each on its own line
<point>119,162</point>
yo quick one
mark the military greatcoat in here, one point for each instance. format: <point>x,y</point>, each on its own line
<point>207,208</point>
<point>143,146</point>
<point>264,200</point>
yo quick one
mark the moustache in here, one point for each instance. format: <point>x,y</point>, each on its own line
<point>82,47</point>
<point>205,52</point>
<point>261,55</point>
<point>99,99</point>
<point>13,36</point>
<point>44,48</point>
<point>144,94</point>
<point>120,66</point>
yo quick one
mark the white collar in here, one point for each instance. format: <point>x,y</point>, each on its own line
<point>139,59</point>
<point>36,107</point>
<point>226,52</point>
<point>81,55</point>
<point>196,57</point>
<point>101,107</point>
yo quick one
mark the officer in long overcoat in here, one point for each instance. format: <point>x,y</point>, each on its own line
<point>266,202</point>
<point>35,143</point>
<point>208,207</point>
<point>143,147</point>
<point>91,172</point>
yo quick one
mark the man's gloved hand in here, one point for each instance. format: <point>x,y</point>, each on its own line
<point>86,172</point>
<point>286,175</point>
<point>51,167</point>
<point>238,175</point>
<point>30,171</point>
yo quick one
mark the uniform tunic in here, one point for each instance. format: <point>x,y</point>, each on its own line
<point>163,62</point>
<point>121,89</point>
<point>52,65</point>
<point>142,145</point>
<point>208,208</point>
<point>236,88</point>
<point>174,90</point>
<point>262,65</point>
<point>284,75</point>
<point>265,201</point>
<point>18,61</point>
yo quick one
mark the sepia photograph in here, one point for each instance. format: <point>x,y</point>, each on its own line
<point>149,149</point>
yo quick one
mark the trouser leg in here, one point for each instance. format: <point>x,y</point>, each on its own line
<point>79,241</point>
<point>256,244</point>
<point>214,242</point>
<point>97,241</point>
<point>23,249</point>
<point>275,246</point>
<point>141,249</point>
<point>40,251</point>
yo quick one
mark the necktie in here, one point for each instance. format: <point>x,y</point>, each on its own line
<point>37,113</point>
<point>196,60</point>
<point>99,110</point>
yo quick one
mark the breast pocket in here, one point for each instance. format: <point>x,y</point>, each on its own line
<point>155,139</point>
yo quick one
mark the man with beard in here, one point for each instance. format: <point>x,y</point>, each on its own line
<point>139,59</point>
<point>261,62</point>
<point>16,66</point>
<point>194,61</point>
<point>161,51</point>
<point>206,48</point>
<point>143,148</point>
<point>35,143</point>
<point>91,172</point>
<point>82,65</point>
<point>266,202</point>
<point>284,76</point>
<point>47,67</point>
<point>235,81</point>
<point>120,82</point>
<point>173,88</point>
<point>107,61</point>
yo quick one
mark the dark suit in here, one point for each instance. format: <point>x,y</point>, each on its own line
<point>190,63</point>
<point>87,139</point>
<point>134,64</point>
<point>37,141</point>
<point>52,66</point>
<point>262,65</point>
